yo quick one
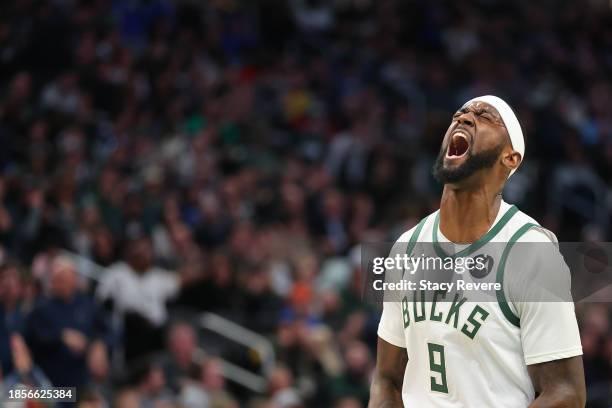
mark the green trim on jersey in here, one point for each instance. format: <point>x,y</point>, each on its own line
<point>415,236</point>
<point>477,244</point>
<point>501,298</point>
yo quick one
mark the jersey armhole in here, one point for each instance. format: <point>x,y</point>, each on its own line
<point>509,314</point>
<point>390,338</point>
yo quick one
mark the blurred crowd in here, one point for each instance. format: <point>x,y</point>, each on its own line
<point>162,158</point>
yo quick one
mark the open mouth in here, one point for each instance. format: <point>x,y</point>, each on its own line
<point>458,145</point>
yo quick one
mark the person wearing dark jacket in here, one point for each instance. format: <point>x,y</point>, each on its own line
<point>63,326</point>
<point>12,312</point>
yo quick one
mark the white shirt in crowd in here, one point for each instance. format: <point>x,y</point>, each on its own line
<point>145,293</point>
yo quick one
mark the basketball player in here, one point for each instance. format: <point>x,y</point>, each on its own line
<point>491,354</point>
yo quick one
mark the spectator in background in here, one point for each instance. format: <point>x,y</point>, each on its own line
<point>137,291</point>
<point>24,371</point>
<point>261,306</point>
<point>63,326</point>
<point>596,343</point>
<point>332,222</point>
<point>215,289</point>
<point>151,386</point>
<point>103,247</point>
<point>209,390</point>
<point>6,221</point>
<point>282,390</point>
<point>12,311</point>
<point>354,380</point>
<point>127,398</point>
<point>98,364</point>
<point>91,399</point>
<point>348,402</point>
<point>62,95</point>
<point>180,362</point>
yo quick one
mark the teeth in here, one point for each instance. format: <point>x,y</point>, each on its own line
<point>453,148</point>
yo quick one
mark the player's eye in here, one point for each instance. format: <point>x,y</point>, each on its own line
<point>459,113</point>
<point>485,115</point>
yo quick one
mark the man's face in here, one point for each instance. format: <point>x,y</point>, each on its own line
<point>63,282</point>
<point>474,141</point>
<point>140,254</point>
<point>182,342</point>
<point>11,286</point>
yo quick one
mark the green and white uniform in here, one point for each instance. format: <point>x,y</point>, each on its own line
<point>475,354</point>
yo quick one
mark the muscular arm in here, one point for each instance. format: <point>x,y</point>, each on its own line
<point>559,383</point>
<point>386,389</point>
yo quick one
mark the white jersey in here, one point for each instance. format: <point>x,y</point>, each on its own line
<point>475,354</point>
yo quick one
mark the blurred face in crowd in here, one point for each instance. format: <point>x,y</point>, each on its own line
<point>153,382</point>
<point>103,245</point>
<point>20,87</point>
<point>140,254</point>
<point>357,358</point>
<point>157,379</point>
<point>212,375</point>
<point>293,199</point>
<point>333,204</point>
<point>221,269</point>
<point>92,402</point>
<point>127,399</point>
<point>475,140</point>
<point>280,379</point>
<point>63,282</point>
<point>307,267</point>
<point>182,343</point>
<point>181,237</point>
<point>257,282</point>
<point>11,285</point>
<point>348,402</point>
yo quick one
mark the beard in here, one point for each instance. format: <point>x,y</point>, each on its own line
<point>474,162</point>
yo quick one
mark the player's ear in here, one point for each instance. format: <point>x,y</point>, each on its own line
<point>511,159</point>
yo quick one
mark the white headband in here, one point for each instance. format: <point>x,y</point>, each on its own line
<point>510,121</point>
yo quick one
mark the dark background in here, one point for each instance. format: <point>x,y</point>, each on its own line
<point>248,147</point>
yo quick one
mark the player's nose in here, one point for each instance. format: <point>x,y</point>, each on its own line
<point>466,118</point>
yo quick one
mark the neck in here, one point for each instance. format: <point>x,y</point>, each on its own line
<point>467,214</point>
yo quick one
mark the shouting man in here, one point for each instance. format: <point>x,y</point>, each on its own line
<point>504,352</point>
